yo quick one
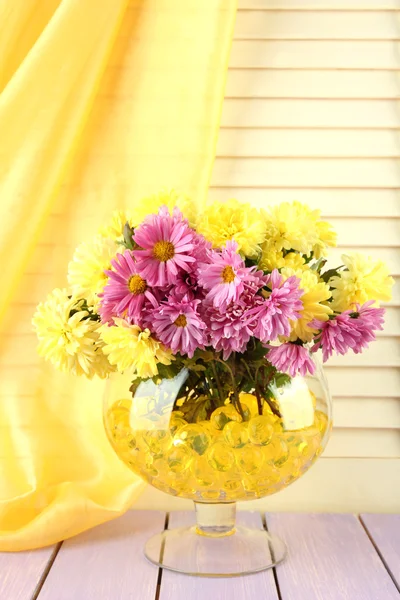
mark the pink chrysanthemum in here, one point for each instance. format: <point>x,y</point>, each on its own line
<point>291,358</point>
<point>227,327</point>
<point>126,291</point>
<point>226,277</point>
<point>283,304</point>
<point>178,325</point>
<point>349,330</point>
<point>368,319</point>
<point>167,246</point>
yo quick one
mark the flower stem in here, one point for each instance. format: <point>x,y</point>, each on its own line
<point>234,390</point>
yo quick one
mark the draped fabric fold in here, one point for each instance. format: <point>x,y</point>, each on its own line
<point>101,103</point>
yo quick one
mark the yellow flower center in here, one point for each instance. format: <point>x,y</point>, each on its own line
<point>137,285</point>
<point>181,321</point>
<point>163,250</point>
<point>228,274</point>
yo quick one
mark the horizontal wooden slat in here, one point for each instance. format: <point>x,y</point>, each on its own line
<point>320,5</point>
<point>384,352</point>
<point>313,25</point>
<point>371,413</point>
<point>285,142</point>
<point>364,382</point>
<point>312,84</point>
<point>277,114</point>
<point>337,173</point>
<point>314,55</point>
<point>355,231</point>
<point>332,202</point>
<point>364,443</point>
<point>395,292</point>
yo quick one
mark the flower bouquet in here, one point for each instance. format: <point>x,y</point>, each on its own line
<point>207,327</point>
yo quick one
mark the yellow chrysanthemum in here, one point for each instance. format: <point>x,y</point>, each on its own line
<point>130,347</point>
<point>86,274</point>
<point>365,279</point>
<point>67,338</point>
<point>315,293</point>
<point>327,237</point>
<point>115,229</point>
<point>295,226</point>
<point>233,220</point>
<point>169,198</point>
<point>274,259</point>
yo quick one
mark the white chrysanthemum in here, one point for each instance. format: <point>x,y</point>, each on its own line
<point>68,338</point>
<point>86,271</point>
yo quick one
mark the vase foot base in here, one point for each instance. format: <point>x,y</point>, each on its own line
<point>243,552</point>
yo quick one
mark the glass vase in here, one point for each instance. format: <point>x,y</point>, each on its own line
<point>189,443</point>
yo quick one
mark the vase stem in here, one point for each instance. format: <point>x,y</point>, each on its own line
<point>215,520</point>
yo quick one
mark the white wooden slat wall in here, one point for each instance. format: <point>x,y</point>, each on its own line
<point>312,113</point>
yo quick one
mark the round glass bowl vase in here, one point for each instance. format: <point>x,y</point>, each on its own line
<point>241,450</point>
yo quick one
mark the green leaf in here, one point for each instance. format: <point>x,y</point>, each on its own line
<point>196,409</point>
<point>128,237</point>
<point>331,273</point>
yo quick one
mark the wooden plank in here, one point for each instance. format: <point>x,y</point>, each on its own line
<point>304,172</point>
<point>363,443</point>
<point>315,25</point>
<point>21,573</point>
<point>318,143</point>
<point>358,381</point>
<point>330,558</point>
<point>253,587</point>
<point>380,413</point>
<point>107,562</point>
<point>320,5</point>
<point>385,533</point>
<point>384,352</point>
<point>311,113</point>
<point>314,55</point>
<point>312,84</point>
<point>332,202</point>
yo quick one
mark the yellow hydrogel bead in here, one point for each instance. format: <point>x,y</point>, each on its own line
<point>250,402</point>
<point>194,436</point>
<point>260,430</point>
<point>210,494</point>
<point>249,459</point>
<point>232,485</point>
<point>157,441</point>
<point>204,475</point>
<point>221,457</point>
<point>179,458</point>
<point>267,482</point>
<point>321,421</point>
<point>202,461</point>
<point>236,434</point>
<point>277,452</point>
<point>176,421</point>
<point>221,416</point>
<point>118,420</point>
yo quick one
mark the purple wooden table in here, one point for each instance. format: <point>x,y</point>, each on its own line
<point>331,557</point>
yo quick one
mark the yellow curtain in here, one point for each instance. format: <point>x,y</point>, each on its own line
<point>100,104</point>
